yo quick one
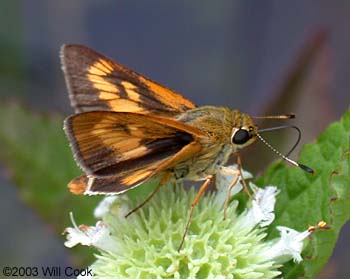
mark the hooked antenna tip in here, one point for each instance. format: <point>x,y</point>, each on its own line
<point>291,115</point>
<point>306,168</point>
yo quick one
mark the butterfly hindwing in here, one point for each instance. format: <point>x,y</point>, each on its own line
<point>96,82</point>
<point>103,185</point>
<point>123,181</point>
<point>129,146</point>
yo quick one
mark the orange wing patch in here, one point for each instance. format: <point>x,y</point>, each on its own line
<point>78,185</point>
<point>167,97</point>
<point>135,177</point>
<point>101,68</point>
<point>130,90</point>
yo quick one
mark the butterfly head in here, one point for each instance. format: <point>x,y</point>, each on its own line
<point>244,131</point>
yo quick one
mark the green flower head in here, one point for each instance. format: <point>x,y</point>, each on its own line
<point>145,245</point>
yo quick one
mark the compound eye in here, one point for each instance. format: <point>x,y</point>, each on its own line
<point>241,136</point>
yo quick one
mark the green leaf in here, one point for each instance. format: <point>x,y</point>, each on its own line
<point>306,199</point>
<point>37,154</point>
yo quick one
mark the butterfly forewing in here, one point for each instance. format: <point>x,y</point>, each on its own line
<point>96,82</point>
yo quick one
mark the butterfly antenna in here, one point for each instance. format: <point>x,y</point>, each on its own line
<point>285,127</point>
<point>281,116</point>
<point>285,157</point>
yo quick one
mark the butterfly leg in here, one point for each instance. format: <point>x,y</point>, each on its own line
<point>163,181</point>
<point>193,204</point>
<point>245,186</point>
<point>232,184</point>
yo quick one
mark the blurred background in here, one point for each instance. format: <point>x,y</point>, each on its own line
<point>262,57</point>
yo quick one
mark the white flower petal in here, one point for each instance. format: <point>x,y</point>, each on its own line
<point>101,238</point>
<point>263,204</point>
<point>97,236</point>
<point>290,245</point>
<point>224,177</point>
<point>119,207</point>
<point>104,206</point>
<point>75,235</point>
